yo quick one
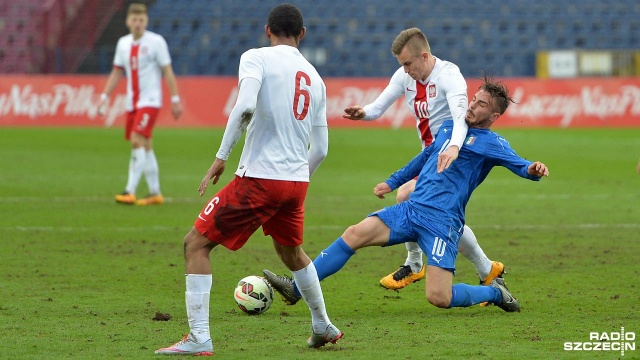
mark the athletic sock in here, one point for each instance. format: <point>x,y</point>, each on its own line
<point>331,260</point>
<point>470,249</point>
<point>463,295</point>
<point>197,299</point>
<point>309,285</point>
<point>136,167</point>
<point>152,173</point>
<point>414,256</point>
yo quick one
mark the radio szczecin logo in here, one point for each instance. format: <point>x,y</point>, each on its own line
<point>606,341</point>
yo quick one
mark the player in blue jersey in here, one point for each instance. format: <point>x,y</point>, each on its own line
<point>434,214</point>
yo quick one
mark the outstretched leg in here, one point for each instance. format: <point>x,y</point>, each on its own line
<point>369,232</point>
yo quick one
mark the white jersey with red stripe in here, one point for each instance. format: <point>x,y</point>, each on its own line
<point>432,101</point>
<point>142,61</point>
<point>292,99</point>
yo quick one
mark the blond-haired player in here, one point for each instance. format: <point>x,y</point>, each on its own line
<point>436,91</point>
<point>143,56</point>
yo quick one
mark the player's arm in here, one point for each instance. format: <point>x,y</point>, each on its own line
<point>239,119</point>
<point>389,95</point>
<point>172,84</point>
<point>319,136</point>
<point>318,147</point>
<point>117,73</point>
<point>456,90</point>
<point>502,154</point>
<point>408,172</point>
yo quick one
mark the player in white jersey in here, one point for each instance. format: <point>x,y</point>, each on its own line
<point>282,105</point>
<point>435,90</point>
<point>144,57</point>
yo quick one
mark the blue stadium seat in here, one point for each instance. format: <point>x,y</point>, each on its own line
<point>500,35</point>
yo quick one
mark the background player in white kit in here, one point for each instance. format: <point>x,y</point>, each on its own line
<point>435,90</point>
<point>282,105</point>
<point>144,57</point>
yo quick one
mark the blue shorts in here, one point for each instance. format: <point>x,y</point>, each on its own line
<point>438,241</point>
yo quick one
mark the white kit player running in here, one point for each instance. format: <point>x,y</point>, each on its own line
<point>435,91</point>
<point>282,105</point>
<point>144,57</point>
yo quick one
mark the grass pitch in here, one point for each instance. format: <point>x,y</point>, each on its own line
<point>82,277</point>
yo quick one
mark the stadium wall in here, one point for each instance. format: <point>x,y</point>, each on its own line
<point>72,101</point>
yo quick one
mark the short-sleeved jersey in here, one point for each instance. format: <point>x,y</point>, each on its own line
<point>291,100</point>
<point>142,61</point>
<point>443,196</point>
<point>428,100</point>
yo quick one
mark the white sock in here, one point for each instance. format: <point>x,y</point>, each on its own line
<point>309,287</point>
<point>136,166</point>
<point>197,299</point>
<point>152,172</point>
<point>469,247</point>
<point>414,256</point>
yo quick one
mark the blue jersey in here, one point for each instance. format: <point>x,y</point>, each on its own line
<point>443,197</point>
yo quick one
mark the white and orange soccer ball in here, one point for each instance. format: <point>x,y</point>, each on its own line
<point>254,295</point>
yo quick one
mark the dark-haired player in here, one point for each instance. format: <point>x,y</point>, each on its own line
<point>282,105</point>
<point>435,91</point>
<point>433,216</point>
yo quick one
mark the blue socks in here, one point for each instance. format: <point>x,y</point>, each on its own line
<point>331,260</point>
<point>463,295</point>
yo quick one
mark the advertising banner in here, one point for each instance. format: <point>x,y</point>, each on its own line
<point>73,100</point>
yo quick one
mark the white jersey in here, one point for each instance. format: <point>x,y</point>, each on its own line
<point>142,61</point>
<point>432,101</point>
<point>291,100</point>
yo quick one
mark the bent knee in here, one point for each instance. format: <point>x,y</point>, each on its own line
<point>350,233</point>
<point>440,300</point>
<point>354,237</point>
<point>194,241</point>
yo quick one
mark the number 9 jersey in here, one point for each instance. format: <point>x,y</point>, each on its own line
<point>291,101</point>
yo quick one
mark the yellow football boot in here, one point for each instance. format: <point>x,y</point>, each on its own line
<point>402,277</point>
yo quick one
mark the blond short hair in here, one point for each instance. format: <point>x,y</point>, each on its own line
<point>137,9</point>
<point>414,38</point>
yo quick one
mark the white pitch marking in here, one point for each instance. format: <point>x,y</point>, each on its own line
<point>324,227</point>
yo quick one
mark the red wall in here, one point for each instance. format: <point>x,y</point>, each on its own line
<point>72,101</point>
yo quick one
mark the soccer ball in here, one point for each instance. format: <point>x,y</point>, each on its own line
<point>253,295</point>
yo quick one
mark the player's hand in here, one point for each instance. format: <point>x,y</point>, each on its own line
<point>214,172</point>
<point>355,112</point>
<point>176,110</point>
<point>102,107</point>
<point>538,169</point>
<point>447,157</point>
<point>381,189</point>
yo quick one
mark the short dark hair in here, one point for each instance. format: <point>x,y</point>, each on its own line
<point>499,93</point>
<point>285,20</point>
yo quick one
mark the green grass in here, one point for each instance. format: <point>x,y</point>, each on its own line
<point>82,277</point>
